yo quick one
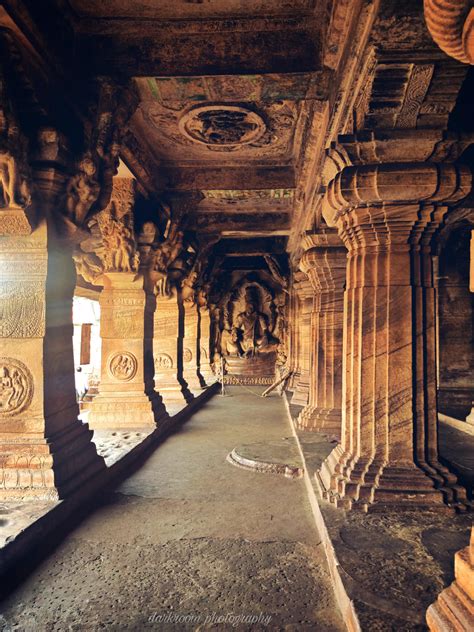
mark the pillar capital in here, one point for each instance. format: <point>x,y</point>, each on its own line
<point>395,190</point>
<point>451,25</point>
<point>324,262</point>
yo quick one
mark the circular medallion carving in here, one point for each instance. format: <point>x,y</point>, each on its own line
<point>222,125</point>
<point>123,366</point>
<point>163,361</point>
<point>16,387</point>
<point>187,355</point>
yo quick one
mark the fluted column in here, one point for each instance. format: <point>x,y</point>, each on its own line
<point>301,382</point>
<point>386,215</point>
<point>325,265</point>
<point>454,608</point>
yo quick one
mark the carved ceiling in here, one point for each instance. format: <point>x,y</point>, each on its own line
<point>238,100</point>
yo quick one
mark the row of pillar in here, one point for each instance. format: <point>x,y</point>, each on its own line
<point>371,347</point>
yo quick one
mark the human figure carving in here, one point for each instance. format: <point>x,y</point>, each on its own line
<point>251,329</point>
<point>82,191</point>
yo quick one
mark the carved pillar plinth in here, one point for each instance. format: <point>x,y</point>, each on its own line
<point>191,348</point>
<point>454,608</point>
<point>126,396</point>
<point>388,454</point>
<point>45,451</point>
<point>301,384</point>
<point>204,359</point>
<point>325,265</point>
<point>168,352</point>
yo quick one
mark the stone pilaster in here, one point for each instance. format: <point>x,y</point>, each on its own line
<point>454,608</point>
<point>301,382</point>
<point>45,451</point>
<point>191,348</point>
<point>126,396</point>
<point>168,351</point>
<point>325,265</point>
<point>386,215</point>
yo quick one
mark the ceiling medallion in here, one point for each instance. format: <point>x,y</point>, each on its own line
<point>222,125</point>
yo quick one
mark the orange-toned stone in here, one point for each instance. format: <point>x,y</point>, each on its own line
<point>454,608</point>
<point>45,451</point>
<point>325,264</point>
<point>126,396</point>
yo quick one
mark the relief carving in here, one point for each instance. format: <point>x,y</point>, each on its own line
<point>16,387</point>
<point>21,309</point>
<point>158,256</point>
<point>163,361</point>
<point>187,355</point>
<point>123,366</point>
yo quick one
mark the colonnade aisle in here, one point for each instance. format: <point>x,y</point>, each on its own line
<point>191,542</point>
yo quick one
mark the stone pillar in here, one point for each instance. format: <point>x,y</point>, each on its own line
<point>454,608</point>
<point>168,351</point>
<point>386,215</point>
<point>126,396</point>
<point>204,334</point>
<point>451,24</point>
<point>305,299</point>
<point>191,348</point>
<point>325,265</point>
<point>46,453</point>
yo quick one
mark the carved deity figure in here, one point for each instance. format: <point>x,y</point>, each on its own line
<point>164,254</point>
<point>119,246</point>
<point>251,329</point>
<point>8,178</point>
<point>82,190</point>
<point>12,389</point>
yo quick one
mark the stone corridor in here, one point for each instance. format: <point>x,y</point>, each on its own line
<point>190,535</point>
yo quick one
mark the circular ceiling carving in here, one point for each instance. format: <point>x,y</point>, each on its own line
<point>222,125</point>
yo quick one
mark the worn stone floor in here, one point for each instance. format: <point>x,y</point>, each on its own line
<point>393,564</point>
<point>190,542</point>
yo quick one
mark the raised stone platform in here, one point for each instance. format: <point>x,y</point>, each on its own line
<point>258,369</point>
<point>275,457</point>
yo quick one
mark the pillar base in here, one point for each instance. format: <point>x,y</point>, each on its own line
<point>325,420</point>
<point>300,395</point>
<point>38,468</point>
<point>173,391</point>
<point>117,410</point>
<point>454,608</point>
<point>368,485</point>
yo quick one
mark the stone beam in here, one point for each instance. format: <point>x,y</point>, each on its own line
<point>186,47</point>
<point>250,224</point>
<point>254,246</point>
<point>236,177</point>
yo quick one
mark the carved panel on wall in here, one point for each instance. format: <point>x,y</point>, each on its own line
<point>21,309</point>
<point>122,323</point>
<point>16,387</point>
<point>163,361</point>
<point>123,366</point>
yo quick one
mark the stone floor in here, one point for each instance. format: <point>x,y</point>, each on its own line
<point>189,539</point>
<point>392,565</point>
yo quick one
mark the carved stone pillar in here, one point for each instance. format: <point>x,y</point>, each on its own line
<point>204,334</point>
<point>454,608</point>
<point>168,351</point>
<point>325,265</point>
<point>305,299</point>
<point>191,348</point>
<point>386,215</point>
<point>126,396</point>
<point>45,451</point>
